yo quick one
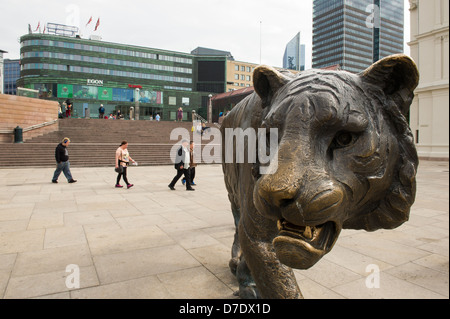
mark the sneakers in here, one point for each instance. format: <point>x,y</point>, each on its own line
<point>128,186</point>
<point>193,184</point>
<point>172,188</point>
<point>190,189</point>
<point>56,182</point>
<point>183,181</point>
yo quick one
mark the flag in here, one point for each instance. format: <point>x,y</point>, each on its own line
<point>97,24</point>
<point>29,29</point>
<point>39,24</point>
<point>44,29</point>
<point>90,20</point>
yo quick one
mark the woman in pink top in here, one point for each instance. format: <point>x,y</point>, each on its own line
<point>123,158</point>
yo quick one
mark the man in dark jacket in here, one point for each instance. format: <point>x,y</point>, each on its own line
<point>62,161</point>
<point>182,166</point>
<point>101,112</point>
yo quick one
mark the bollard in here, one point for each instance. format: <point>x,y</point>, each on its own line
<point>18,135</point>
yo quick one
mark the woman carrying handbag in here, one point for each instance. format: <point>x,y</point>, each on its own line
<point>123,158</point>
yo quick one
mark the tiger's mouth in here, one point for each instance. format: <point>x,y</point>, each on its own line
<point>301,246</point>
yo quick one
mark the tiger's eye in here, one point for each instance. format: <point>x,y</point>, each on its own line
<point>344,139</point>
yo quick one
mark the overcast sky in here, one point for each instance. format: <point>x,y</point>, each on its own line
<point>255,31</point>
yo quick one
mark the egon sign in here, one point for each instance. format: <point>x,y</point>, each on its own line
<point>94,82</point>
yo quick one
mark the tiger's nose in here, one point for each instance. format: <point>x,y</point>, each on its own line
<point>310,199</point>
<point>324,200</point>
<point>276,193</point>
<point>278,197</point>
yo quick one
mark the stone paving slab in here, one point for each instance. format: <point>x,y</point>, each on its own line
<point>148,242</point>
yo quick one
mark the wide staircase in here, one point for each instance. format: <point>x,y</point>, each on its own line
<point>94,142</point>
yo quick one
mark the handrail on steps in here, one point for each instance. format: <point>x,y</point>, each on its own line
<point>30,128</point>
<point>198,117</point>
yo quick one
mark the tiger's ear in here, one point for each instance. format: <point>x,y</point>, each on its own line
<point>397,76</point>
<point>267,81</point>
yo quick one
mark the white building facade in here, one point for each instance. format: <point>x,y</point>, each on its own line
<point>429,117</point>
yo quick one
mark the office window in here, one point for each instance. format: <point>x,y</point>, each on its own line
<point>248,78</point>
<point>243,68</point>
<point>236,67</point>
<point>236,76</point>
<point>211,71</point>
<point>249,69</point>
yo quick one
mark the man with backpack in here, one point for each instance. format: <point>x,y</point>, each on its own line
<point>101,112</point>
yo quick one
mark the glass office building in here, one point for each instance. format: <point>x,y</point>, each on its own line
<point>11,70</point>
<point>356,33</point>
<point>294,55</point>
<point>93,72</point>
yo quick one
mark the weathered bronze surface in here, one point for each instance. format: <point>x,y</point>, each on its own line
<point>346,159</point>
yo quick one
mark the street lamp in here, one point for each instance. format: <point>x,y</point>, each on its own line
<point>210,109</point>
<point>136,106</point>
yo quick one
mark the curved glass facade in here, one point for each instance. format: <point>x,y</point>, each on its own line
<point>91,72</point>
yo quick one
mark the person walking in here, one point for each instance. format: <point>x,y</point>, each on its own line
<point>192,165</point>
<point>123,158</point>
<point>204,128</point>
<point>180,114</point>
<point>62,161</point>
<point>101,112</point>
<point>69,107</point>
<point>182,166</point>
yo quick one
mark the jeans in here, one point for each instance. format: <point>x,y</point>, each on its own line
<point>62,167</point>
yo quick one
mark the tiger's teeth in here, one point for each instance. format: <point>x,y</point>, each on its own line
<point>307,233</point>
<point>279,225</point>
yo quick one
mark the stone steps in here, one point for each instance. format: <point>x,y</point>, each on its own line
<point>94,142</point>
<point>112,131</point>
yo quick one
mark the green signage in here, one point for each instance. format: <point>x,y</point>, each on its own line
<point>105,94</point>
<point>65,91</point>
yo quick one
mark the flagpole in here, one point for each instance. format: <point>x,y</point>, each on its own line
<point>260,41</point>
<point>97,24</point>
<point>89,21</point>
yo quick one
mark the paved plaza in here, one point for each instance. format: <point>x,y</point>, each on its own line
<point>151,242</point>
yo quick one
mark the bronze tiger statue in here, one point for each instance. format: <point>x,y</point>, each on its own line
<point>345,158</point>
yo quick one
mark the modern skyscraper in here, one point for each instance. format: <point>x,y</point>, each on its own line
<point>294,55</point>
<point>356,33</point>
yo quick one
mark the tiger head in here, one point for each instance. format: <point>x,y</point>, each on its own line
<point>346,155</point>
